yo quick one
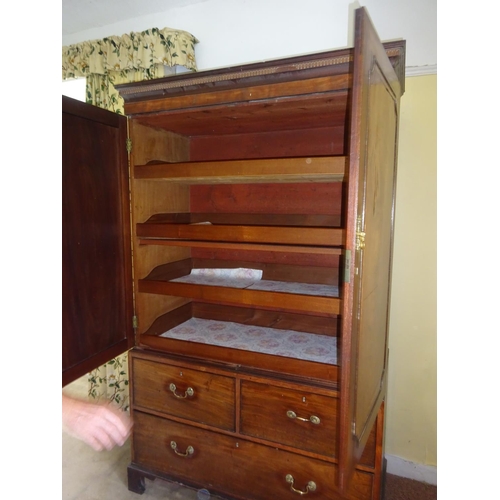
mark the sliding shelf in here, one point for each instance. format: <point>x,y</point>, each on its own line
<point>215,245</point>
<point>249,337</point>
<point>245,228</point>
<point>305,298</point>
<point>243,358</point>
<point>258,298</point>
<point>244,234</point>
<point>303,169</point>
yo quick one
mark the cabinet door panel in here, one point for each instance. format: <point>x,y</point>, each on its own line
<point>375,109</point>
<point>96,262</point>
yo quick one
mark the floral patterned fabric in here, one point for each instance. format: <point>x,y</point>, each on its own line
<point>110,382</point>
<point>133,57</point>
<point>297,288</point>
<point>135,51</point>
<point>288,343</point>
<point>100,89</point>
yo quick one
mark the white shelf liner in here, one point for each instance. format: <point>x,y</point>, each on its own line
<point>251,279</point>
<point>234,278</point>
<point>298,288</point>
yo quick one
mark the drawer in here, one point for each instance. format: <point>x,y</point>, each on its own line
<point>238,468</point>
<point>200,396</point>
<point>291,417</point>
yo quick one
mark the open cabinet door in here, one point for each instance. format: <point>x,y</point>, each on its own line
<point>97,319</point>
<point>370,217</point>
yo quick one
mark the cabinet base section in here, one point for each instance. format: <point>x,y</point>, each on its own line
<point>233,468</point>
<point>137,484</point>
<point>136,479</point>
<point>137,475</point>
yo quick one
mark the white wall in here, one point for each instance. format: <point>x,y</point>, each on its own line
<point>231,32</point>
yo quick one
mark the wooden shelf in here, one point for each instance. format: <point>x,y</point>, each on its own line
<point>258,318</point>
<point>245,234</point>
<point>243,247</point>
<point>302,303</point>
<point>325,373</point>
<point>315,231</point>
<point>307,169</point>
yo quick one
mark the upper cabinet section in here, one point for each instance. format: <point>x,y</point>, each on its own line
<point>248,168</point>
<point>294,107</point>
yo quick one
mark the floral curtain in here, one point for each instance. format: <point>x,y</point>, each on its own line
<point>134,51</point>
<point>131,57</point>
<point>100,89</point>
<point>105,63</point>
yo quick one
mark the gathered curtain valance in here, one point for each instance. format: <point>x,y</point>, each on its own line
<point>141,51</point>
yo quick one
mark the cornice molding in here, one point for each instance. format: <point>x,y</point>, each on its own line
<point>279,70</point>
<point>430,69</point>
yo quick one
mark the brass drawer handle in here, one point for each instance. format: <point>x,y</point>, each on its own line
<point>189,450</point>
<point>313,418</point>
<point>311,485</point>
<point>189,391</point>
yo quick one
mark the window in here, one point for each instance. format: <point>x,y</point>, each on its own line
<point>74,88</point>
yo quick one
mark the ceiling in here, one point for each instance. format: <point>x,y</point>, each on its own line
<point>81,15</point>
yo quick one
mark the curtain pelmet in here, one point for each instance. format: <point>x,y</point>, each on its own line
<point>134,51</point>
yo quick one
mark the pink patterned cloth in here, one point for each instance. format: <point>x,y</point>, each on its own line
<point>288,343</point>
<point>293,287</point>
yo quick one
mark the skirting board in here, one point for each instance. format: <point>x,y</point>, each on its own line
<point>404,468</point>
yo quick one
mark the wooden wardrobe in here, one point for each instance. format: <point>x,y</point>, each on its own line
<point>262,211</point>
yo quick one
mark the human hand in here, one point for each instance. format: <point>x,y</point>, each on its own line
<point>99,426</point>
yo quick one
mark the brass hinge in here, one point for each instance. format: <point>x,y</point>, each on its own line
<point>134,322</point>
<point>128,144</point>
<point>360,235</point>
<point>353,428</point>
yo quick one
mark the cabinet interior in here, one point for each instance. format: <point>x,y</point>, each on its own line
<point>249,199</point>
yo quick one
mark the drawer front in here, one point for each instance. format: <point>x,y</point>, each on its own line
<point>191,394</point>
<point>291,417</point>
<point>237,468</point>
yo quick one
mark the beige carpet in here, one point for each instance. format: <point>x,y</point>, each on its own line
<point>90,475</point>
